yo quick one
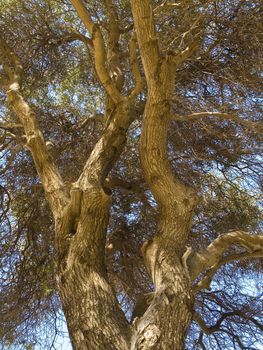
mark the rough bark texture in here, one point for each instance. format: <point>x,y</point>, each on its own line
<point>95,320</point>
<point>164,324</point>
<point>166,321</point>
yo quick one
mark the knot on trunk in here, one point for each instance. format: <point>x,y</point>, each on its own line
<point>69,223</point>
<point>72,212</point>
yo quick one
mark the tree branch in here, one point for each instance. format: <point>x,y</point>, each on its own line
<point>12,64</point>
<point>113,47</point>
<point>75,35</point>
<point>213,256</point>
<point>107,149</point>
<point>186,53</point>
<point>99,51</point>
<point>12,157</point>
<point>200,340</point>
<point>174,198</point>
<point>113,21</point>
<point>118,108</point>
<point>225,116</point>
<point>52,182</point>
<point>166,7</point>
<point>70,34</point>
<point>7,126</point>
<point>205,282</point>
<point>135,187</point>
<point>216,327</point>
<point>145,32</point>
<point>135,69</point>
<point>95,118</point>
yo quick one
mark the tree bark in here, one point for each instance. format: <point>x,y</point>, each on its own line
<point>165,323</point>
<point>94,318</point>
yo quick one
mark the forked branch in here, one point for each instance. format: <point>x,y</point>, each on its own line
<point>225,116</point>
<point>99,50</point>
<point>52,182</point>
<point>214,256</point>
<point>217,326</point>
<point>186,53</point>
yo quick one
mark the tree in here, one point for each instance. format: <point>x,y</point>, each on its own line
<point>174,85</point>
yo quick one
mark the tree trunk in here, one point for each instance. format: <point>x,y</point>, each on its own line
<point>90,309</point>
<point>94,318</point>
<point>165,323</point>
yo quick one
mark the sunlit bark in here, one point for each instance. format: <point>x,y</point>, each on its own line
<point>81,212</point>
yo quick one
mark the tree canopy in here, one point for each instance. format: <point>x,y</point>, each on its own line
<point>68,68</point>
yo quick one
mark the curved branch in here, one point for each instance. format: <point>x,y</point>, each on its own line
<point>225,116</point>
<point>176,201</point>
<point>99,50</point>
<point>10,126</point>
<point>52,182</point>
<point>205,282</point>
<point>75,35</point>
<point>216,327</point>
<point>213,256</point>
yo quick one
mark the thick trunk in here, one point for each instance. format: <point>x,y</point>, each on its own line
<point>91,310</point>
<point>165,323</point>
<point>93,315</point>
<point>94,318</point>
<point>176,200</point>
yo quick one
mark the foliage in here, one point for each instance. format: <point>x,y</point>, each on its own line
<point>219,158</point>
